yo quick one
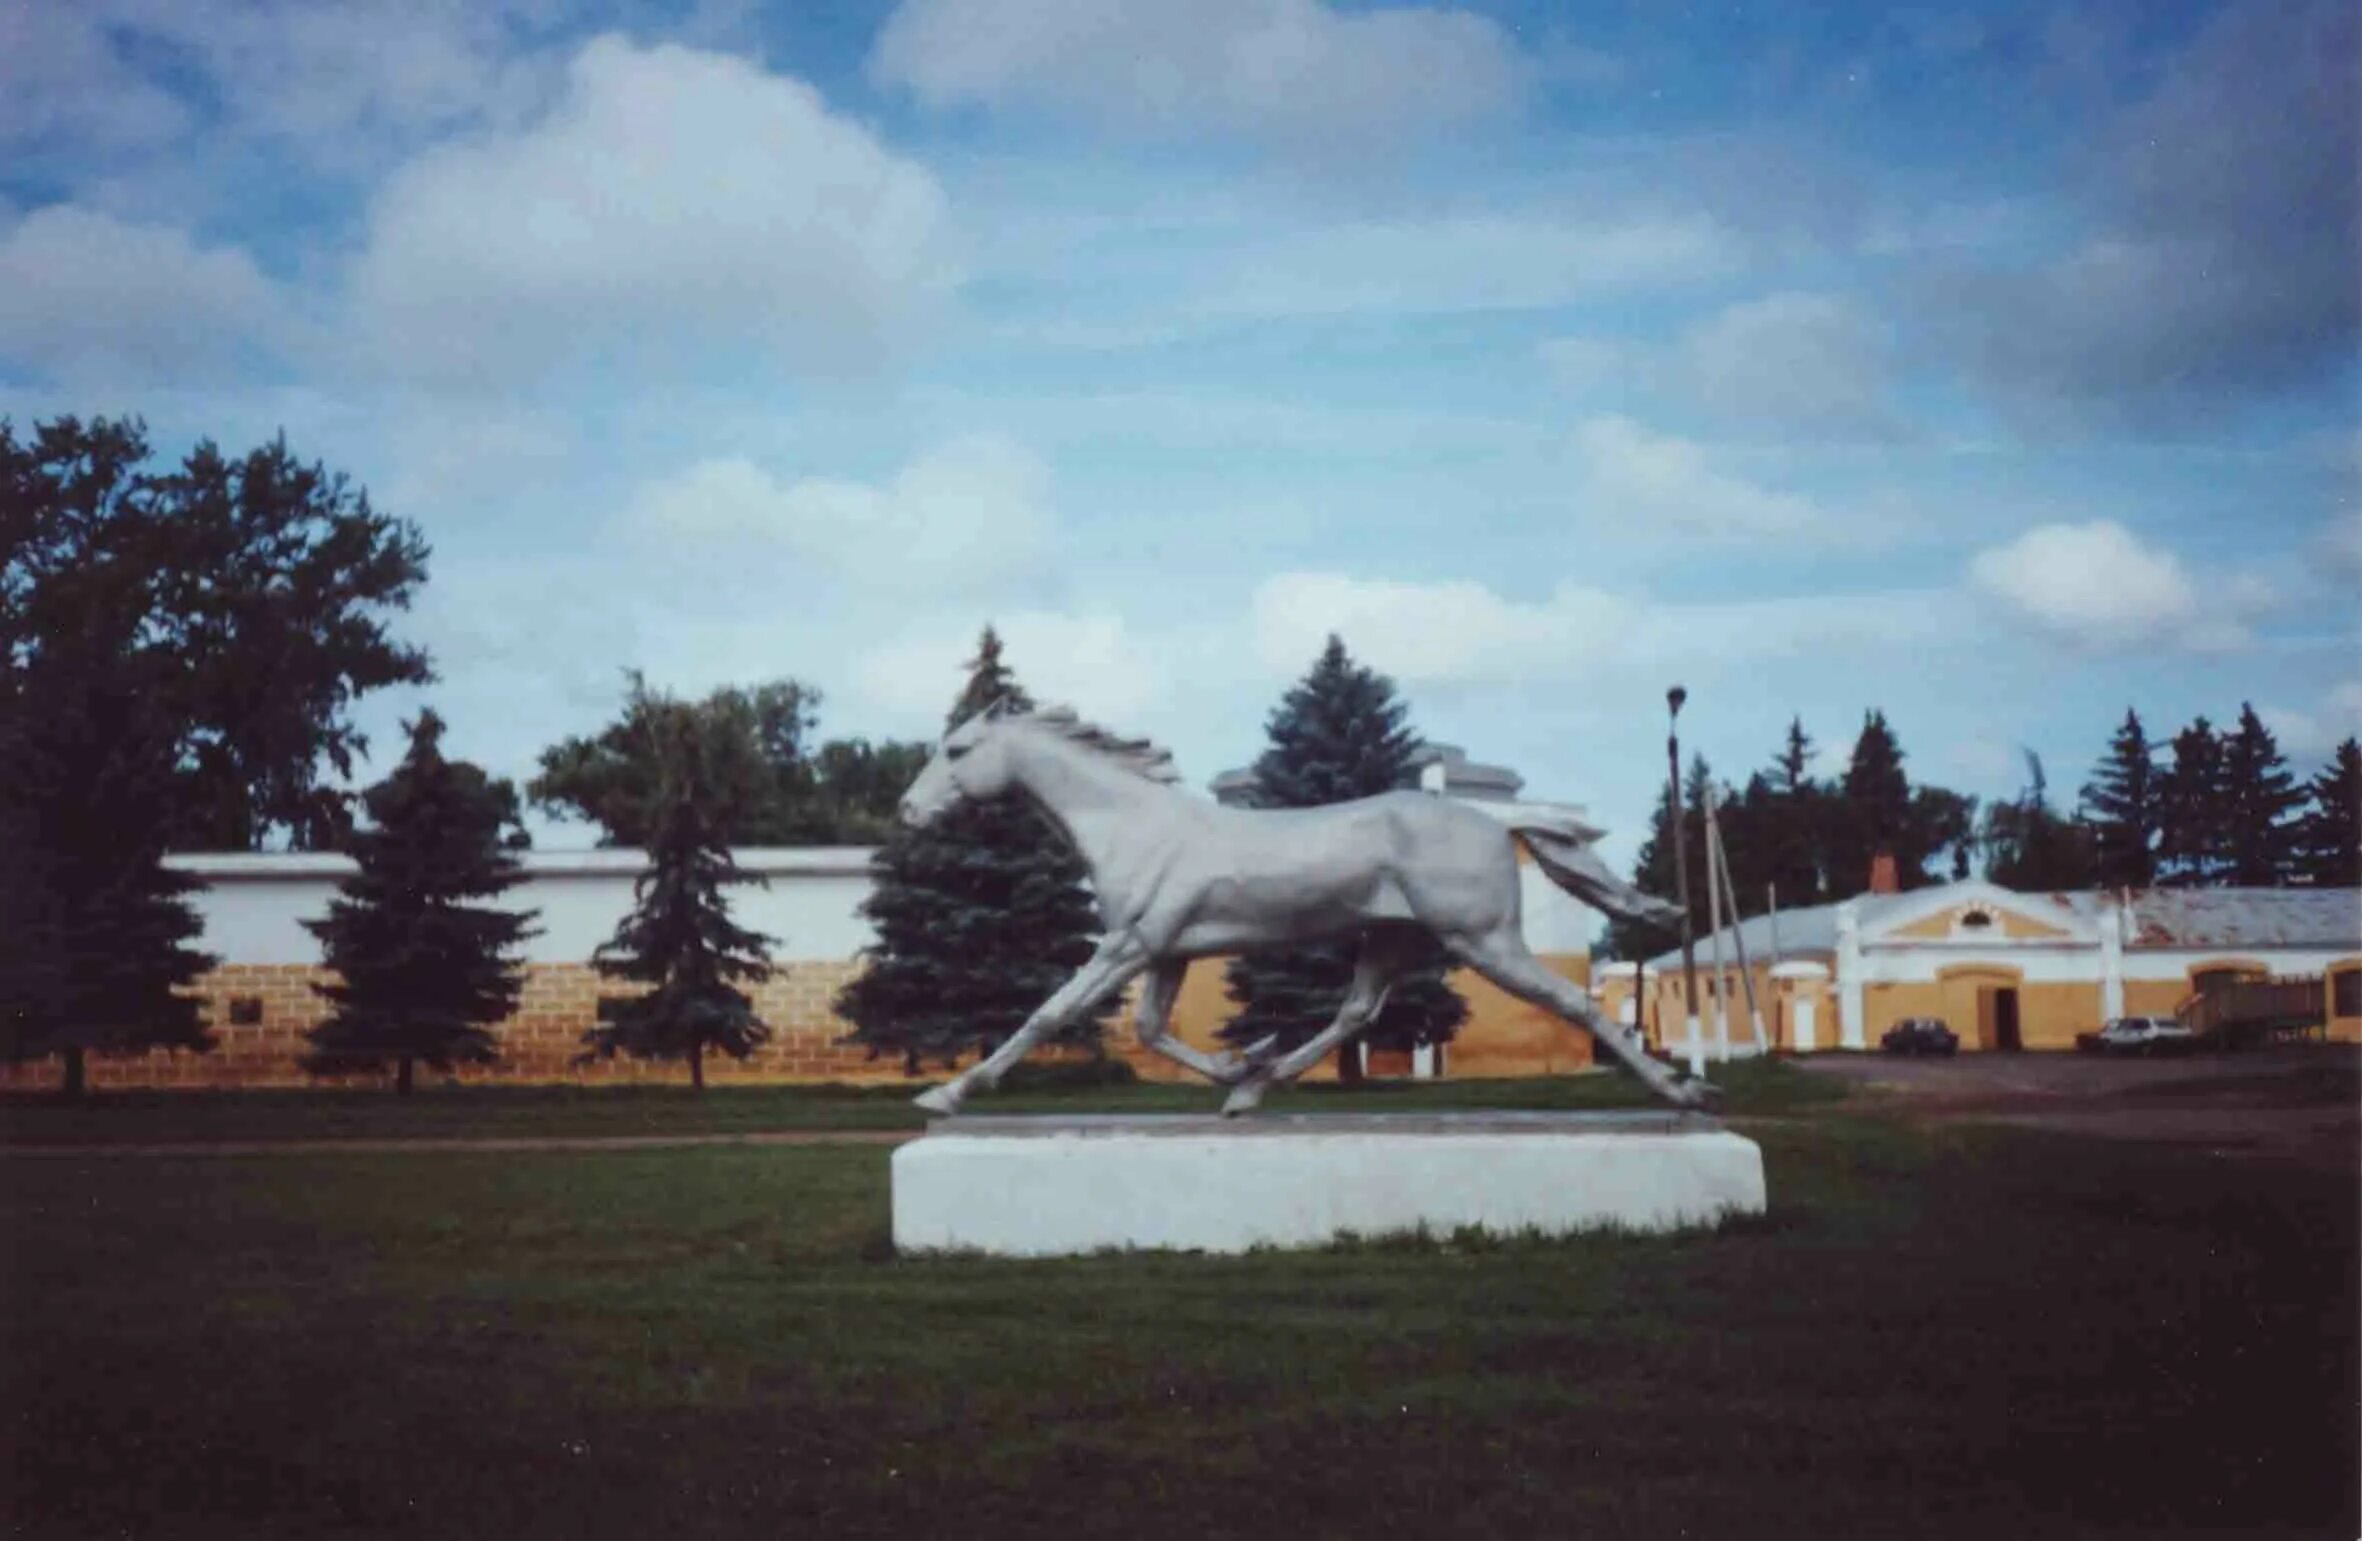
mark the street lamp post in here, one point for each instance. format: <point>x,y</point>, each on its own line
<point>1689,960</point>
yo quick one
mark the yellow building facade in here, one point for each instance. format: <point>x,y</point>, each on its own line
<point>2004,970</point>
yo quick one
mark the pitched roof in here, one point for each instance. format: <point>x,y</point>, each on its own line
<point>2161,917</point>
<point>2247,917</point>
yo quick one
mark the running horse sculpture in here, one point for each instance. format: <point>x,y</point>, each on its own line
<point>1180,878</point>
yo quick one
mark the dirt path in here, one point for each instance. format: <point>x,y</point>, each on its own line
<point>484,1143</point>
<point>2296,1104</point>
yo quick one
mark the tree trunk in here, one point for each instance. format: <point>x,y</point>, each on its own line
<point>77,1080</point>
<point>697,1066</point>
<point>402,1077</point>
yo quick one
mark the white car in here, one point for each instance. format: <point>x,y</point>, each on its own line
<point>2140,1035</point>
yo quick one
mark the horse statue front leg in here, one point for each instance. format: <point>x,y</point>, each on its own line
<point>1116,961</point>
<point>1152,1025</point>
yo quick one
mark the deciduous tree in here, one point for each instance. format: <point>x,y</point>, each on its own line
<point>252,595</point>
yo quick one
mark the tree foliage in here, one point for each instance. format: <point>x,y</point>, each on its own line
<point>2259,798</point>
<point>769,784</point>
<point>94,929</point>
<point>1340,733</point>
<point>2030,846</point>
<point>249,594</point>
<point>2124,804</point>
<point>679,942</point>
<point>425,968</point>
<point>980,917</point>
<point>2193,845</point>
<point>2329,835</point>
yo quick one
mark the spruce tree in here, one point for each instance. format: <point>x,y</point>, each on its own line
<point>2259,795</point>
<point>94,929</point>
<point>2193,822</point>
<point>679,941</point>
<point>2124,805</point>
<point>1793,824</point>
<point>1873,812</point>
<point>2329,836</point>
<point>980,917</point>
<point>1653,870</point>
<point>425,966</point>
<point>1338,734</point>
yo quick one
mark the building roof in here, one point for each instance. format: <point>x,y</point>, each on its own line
<point>2247,917</point>
<point>2181,918</point>
<point>1463,778</point>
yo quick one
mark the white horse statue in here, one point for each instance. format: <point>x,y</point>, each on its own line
<point>1179,877</point>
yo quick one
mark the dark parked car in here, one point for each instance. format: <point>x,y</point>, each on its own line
<point>1920,1035</point>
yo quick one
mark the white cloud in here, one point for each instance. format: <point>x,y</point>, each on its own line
<point>1462,263</point>
<point>1458,632</point>
<point>1296,73</point>
<point>961,517</point>
<point>1636,478</point>
<point>1089,661</point>
<point>667,202</point>
<point>85,295</point>
<point>1805,363</point>
<point>61,84</point>
<point>2096,586</point>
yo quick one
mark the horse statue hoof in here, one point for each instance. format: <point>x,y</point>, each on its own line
<point>941,1099</point>
<point>1245,1097</point>
<point>1698,1094</point>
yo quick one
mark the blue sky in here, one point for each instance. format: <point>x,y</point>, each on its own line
<point>1992,366</point>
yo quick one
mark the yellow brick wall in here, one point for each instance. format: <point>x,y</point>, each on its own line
<point>538,1044</point>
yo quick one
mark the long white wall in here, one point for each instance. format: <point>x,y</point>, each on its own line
<point>253,907</point>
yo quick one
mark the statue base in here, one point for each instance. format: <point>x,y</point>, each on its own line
<point>1057,1186</point>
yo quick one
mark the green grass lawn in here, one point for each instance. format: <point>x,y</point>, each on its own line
<point>1964,1333</point>
<point>591,1111</point>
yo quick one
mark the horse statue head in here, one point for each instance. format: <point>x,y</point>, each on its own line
<point>971,762</point>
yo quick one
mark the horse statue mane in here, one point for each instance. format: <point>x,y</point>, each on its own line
<point>1148,761</point>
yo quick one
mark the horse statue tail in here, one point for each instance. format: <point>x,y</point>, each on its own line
<point>1563,850</point>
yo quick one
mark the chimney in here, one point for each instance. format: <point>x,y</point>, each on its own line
<point>1882,874</point>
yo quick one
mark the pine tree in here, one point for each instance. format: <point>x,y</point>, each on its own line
<point>1653,870</point>
<point>679,941</point>
<point>1338,734</point>
<point>423,973</point>
<point>1793,823</point>
<point>2329,836</point>
<point>2193,823</point>
<point>1873,812</point>
<point>980,917</point>
<point>2124,805</point>
<point>2259,795</point>
<point>93,927</point>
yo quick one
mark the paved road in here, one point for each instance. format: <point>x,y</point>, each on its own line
<point>2300,1103</point>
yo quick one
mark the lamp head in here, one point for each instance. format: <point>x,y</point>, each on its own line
<point>1674,698</point>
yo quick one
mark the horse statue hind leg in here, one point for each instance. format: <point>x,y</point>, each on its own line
<point>1501,956</point>
<point>1152,1020</point>
<point>1375,968</point>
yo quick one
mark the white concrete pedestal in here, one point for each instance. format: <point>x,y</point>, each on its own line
<point>1045,1187</point>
